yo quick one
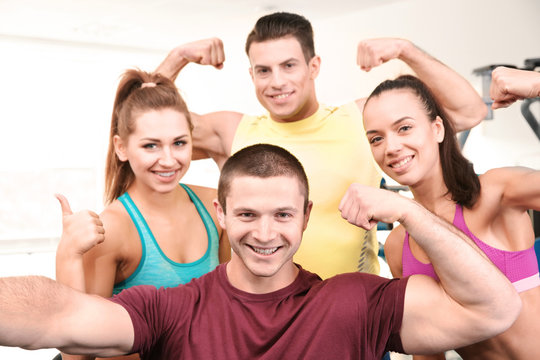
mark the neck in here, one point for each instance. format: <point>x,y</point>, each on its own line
<point>307,110</point>
<point>431,193</point>
<point>243,279</point>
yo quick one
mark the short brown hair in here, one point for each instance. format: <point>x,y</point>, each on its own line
<point>262,161</point>
<point>282,24</point>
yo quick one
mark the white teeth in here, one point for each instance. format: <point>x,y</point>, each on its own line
<point>264,251</point>
<point>282,96</point>
<point>402,162</point>
<point>165,174</point>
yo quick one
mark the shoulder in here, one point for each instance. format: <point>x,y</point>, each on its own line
<point>115,217</point>
<point>205,194</point>
<point>393,250</point>
<point>118,227</point>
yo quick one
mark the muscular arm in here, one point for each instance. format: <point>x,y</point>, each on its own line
<point>213,133</point>
<point>519,186</point>
<point>473,301</point>
<point>454,93</point>
<point>509,85</point>
<point>37,312</point>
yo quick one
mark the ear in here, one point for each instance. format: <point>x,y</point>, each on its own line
<point>306,215</point>
<point>314,66</point>
<point>119,148</point>
<point>219,213</point>
<point>251,73</point>
<point>438,129</point>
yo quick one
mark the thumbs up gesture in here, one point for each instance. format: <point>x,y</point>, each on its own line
<point>81,231</point>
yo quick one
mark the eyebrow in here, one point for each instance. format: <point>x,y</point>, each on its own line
<point>157,140</point>
<point>292,59</point>
<point>279,209</point>
<point>393,124</point>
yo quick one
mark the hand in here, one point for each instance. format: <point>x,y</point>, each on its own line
<point>374,52</point>
<point>365,206</point>
<point>80,231</point>
<point>204,52</point>
<point>509,85</point>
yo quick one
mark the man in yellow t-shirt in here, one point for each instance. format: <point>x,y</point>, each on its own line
<point>330,142</point>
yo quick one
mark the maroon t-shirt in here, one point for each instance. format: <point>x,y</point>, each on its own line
<point>349,316</point>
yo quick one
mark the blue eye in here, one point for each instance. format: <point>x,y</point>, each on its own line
<point>375,139</point>
<point>180,143</point>
<point>149,146</point>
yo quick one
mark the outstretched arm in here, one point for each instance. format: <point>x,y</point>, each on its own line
<point>455,94</point>
<point>473,301</point>
<point>37,312</point>
<point>509,85</point>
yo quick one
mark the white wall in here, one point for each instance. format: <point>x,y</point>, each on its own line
<point>56,98</point>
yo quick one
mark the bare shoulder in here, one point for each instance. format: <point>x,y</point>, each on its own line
<point>504,180</point>
<point>206,194</point>
<point>118,226</point>
<point>504,174</point>
<point>393,249</point>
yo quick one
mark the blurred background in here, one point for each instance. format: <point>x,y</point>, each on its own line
<point>61,60</point>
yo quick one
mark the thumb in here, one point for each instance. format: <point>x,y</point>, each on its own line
<point>64,204</point>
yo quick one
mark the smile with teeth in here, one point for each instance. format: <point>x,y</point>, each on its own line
<point>281,96</point>
<point>401,163</point>
<point>165,174</point>
<point>264,251</point>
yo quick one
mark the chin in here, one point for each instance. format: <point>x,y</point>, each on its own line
<point>263,271</point>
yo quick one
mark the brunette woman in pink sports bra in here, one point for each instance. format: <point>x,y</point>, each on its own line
<point>414,143</point>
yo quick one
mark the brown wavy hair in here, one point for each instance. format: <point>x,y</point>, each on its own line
<point>131,100</point>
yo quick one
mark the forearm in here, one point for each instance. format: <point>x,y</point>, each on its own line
<point>453,92</point>
<point>28,308</point>
<point>70,270</point>
<point>171,66</point>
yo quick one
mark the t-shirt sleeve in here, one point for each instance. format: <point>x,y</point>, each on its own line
<point>150,314</point>
<point>382,303</point>
<point>385,299</point>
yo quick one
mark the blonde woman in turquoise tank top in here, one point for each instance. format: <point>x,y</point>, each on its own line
<point>153,231</point>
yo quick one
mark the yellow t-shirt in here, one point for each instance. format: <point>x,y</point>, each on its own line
<point>332,146</point>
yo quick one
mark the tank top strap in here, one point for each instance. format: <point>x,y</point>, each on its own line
<point>211,229</point>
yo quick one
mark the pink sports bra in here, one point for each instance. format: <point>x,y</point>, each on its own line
<point>520,267</point>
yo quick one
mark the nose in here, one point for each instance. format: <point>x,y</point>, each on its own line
<point>278,80</point>
<point>264,231</point>
<point>166,158</point>
<point>393,144</point>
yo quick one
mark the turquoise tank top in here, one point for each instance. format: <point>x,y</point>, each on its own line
<point>155,268</point>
